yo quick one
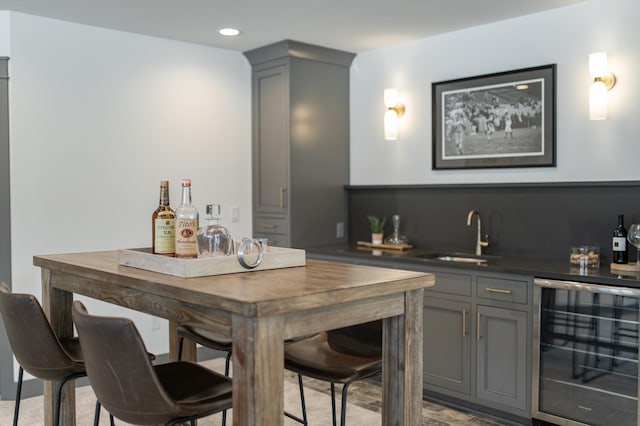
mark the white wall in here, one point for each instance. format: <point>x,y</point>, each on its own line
<point>4,33</point>
<point>586,150</point>
<point>98,118</point>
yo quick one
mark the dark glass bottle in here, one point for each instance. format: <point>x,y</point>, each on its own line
<point>620,254</point>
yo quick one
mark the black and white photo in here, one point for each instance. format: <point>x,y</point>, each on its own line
<point>497,120</point>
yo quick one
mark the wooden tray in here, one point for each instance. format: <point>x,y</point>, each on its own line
<point>385,246</point>
<point>627,267</point>
<point>142,258</point>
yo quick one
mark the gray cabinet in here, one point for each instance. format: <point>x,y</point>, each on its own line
<point>477,329</point>
<point>300,143</point>
<point>446,348</point>
<point>477,339</point>
<point>501,356</point>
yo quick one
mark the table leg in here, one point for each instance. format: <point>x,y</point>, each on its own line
<point>402,364</point>
<point>57,306</point>
<point>258,370</point>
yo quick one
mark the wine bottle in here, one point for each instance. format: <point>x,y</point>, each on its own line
<point>163,231</point>
<point>186,224</point>
<point>620,254</point>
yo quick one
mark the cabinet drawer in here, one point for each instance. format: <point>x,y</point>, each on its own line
<point>506,290</point>
<point>267,225</point>
<point>447,283</point>
<point>278,240</point>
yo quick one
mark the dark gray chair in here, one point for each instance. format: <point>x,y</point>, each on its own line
<point>36,347</point>
<point>209,339</point>
<point>135,391</point>
<point>343,356</point>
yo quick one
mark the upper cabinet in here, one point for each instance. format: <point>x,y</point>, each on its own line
<point>300,143</point>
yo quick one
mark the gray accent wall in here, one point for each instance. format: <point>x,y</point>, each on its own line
<point>528,219</point>
<point>6,358</point>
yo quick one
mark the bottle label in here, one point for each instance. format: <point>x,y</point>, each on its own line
<point>165,235</point>
<point>619,244</point>
<point>186,244</point>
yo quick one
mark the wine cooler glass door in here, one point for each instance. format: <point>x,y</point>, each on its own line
<point>585,354</point>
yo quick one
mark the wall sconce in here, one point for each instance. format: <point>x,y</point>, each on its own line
<point>603,81</point>
<point>395,110</point>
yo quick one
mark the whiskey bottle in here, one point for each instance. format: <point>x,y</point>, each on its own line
<point>186,224</point>
<point>163,229</point>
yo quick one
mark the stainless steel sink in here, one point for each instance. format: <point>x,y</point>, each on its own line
<point>462,259</point>
<point>454,257</point>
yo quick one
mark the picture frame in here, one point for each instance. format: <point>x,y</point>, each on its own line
<point>505,119</point>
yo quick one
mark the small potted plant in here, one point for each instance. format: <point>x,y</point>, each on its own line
<point>377,228</point>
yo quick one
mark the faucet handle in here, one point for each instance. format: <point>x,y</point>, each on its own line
<point>485,243</point>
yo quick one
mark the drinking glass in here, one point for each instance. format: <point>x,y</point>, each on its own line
<point>633,236</point>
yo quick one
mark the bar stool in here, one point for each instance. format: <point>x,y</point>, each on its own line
<point>209,339</point>
<point>36,347</point>
<point>343,356</point>
<point>170,393</point>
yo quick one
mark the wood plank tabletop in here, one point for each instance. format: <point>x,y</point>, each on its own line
<point>252,293</point>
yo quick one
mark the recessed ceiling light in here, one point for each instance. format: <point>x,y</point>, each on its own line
<point>229,32</point>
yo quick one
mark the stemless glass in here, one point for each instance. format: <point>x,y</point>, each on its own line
<point>633,236</point>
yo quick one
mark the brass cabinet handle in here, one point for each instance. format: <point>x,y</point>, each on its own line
<point>498,290</point>
<point>478,326</point>
<point>464,322</point>
<point>282,191</point>
<point>269,226</point>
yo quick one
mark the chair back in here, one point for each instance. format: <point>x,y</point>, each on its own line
<point>119,369</point>
<point>34,344</point>
<point>364,340</point>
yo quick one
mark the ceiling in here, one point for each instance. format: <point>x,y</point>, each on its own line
<point>352,25</point>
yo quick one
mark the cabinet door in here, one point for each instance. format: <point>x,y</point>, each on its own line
<point>446,346</point>
<point>271,140</point>
<point>502,356</point>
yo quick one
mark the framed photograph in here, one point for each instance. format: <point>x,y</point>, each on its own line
<point>505,119</point>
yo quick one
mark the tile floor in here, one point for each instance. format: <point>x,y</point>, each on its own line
<point>364,401</point>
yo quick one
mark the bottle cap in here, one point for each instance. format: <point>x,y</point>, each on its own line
<point>186,182</point>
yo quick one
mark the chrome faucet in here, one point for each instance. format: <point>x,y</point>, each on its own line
<point>479,242</point>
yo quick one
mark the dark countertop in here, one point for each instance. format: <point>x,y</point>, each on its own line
<point>558,269</point>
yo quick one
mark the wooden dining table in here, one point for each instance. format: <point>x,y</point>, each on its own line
<point>259,310</point>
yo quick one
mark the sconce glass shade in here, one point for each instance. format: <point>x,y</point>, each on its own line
<point>598,64</point>
<point>598,101</point>
<point>603,81</point>
<point>391,125</point>
<point>390,97</point>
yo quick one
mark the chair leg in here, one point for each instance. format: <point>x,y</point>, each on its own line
<point>343,409</point>
<point>56,414</point>
<point>96,416</point>
<point>302,401</point>
<point>333,402</point>
<point>180,343</point>
<point>16,410</point>
<point>227,362</point>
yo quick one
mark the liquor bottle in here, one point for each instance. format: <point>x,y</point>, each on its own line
<point>186,224</point>
<point>620,254</point>
<point>163,231</point>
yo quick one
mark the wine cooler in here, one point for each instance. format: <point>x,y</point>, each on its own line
<point>585,363</point>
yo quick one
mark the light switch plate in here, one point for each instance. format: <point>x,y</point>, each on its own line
<point>235,214</point>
